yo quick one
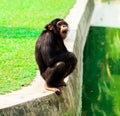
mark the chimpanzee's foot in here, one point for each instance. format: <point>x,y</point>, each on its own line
<point>56,90</point>
<point>62,83</point>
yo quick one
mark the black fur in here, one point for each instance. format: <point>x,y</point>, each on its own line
<point>55,62</point>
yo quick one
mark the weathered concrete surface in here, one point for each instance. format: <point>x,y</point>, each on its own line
<point>108,1</point>
<point>106,14</point>
<point>39,102</point>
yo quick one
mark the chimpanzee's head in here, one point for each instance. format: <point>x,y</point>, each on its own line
<point>58,26</point>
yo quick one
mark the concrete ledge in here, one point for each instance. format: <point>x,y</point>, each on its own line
<point>27,102</point>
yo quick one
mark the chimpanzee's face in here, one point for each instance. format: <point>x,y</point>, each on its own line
<point>58,26</point>
<point>63,28</point>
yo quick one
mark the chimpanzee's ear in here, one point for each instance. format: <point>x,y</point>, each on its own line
<point>49,27</point>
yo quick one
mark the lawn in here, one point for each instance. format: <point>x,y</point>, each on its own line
<point>106,0</point>
<point>21,22</point>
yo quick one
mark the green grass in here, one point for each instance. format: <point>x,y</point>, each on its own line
<point>101,83</point>
<point>21,22</point>
<point>32,14</point>
<point>106,0</point>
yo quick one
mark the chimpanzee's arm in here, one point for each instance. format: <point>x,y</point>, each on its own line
<point>48,51</point>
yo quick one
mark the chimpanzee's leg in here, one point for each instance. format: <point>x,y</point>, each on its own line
<point>52,76</point>
<point>55,75</point>
<point>70,64</point>
<point>65,68</point>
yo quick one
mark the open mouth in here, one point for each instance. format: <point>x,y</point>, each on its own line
<point>65,32</point>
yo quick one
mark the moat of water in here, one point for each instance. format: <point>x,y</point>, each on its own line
<point>101,79</point>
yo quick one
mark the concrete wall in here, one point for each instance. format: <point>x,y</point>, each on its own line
<point>69,103</point>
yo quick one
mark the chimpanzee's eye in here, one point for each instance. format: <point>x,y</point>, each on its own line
<point>59,24</point>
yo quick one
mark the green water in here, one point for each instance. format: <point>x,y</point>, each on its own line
<point>101,79</point>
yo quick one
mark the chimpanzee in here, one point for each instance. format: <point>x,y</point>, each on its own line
<point>55,62</point>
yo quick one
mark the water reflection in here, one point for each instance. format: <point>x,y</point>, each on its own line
<point>101,77</point>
